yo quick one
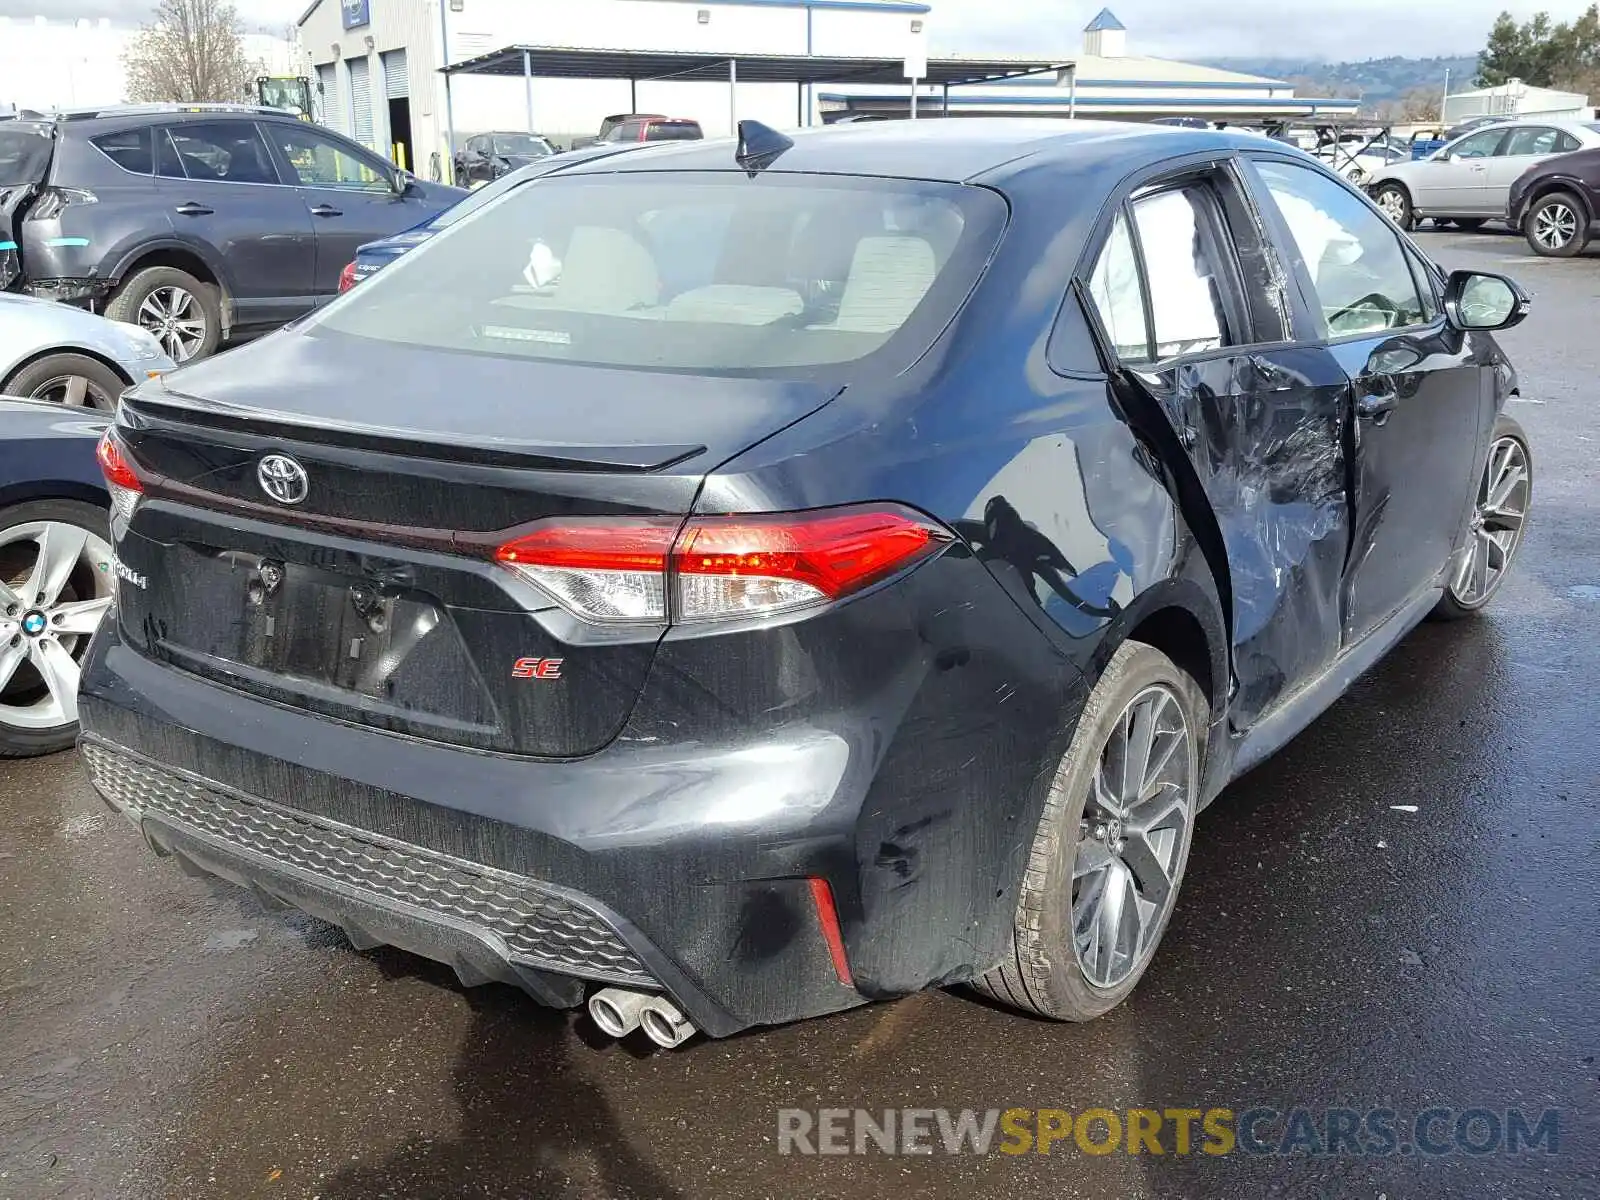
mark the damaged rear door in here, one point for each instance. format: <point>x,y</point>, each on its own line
<point>26,148</point>
<point>1201,316</point>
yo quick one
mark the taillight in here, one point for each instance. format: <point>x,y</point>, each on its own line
<point>715,568</point>
<point>53,199</point>
<point>347,277</point>
<point>121,481</point>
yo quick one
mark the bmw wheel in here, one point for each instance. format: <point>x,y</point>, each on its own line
<point>1112,844</point>
<point>1557,226</point>
<point>56,584</point>
<point>1494,530</point>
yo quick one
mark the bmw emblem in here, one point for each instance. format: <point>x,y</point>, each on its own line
<point>283,479</point>
<point>34,623</point>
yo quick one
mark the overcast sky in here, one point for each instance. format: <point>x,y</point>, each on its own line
<point>1331,29</point>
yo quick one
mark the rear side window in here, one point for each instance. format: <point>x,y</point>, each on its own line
<point>128,148</point>
<point>1184,267</point>
<point>1118,295</point>
<point>1353,256</point>
<point>713,274</point>
<point>223,152</point>
<point>673,131</point>
<point>1534,141</point>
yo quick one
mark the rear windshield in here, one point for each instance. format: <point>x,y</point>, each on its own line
<point>673,131</point>
<point>521,143</point>
<point>705,273</point>
<point>24,154</point>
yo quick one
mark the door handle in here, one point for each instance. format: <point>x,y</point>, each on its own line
<point>326,210</point>
<point>191,209</point>
<point>1376,398</point>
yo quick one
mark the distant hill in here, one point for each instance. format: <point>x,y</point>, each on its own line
<point>1376,80</point>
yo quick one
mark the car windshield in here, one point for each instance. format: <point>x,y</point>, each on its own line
<point>521,144</point>
<point>24,154</point>
<point>704,273</point>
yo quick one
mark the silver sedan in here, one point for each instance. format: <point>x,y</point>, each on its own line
<point>1469,180</point>
<point>52,351</point>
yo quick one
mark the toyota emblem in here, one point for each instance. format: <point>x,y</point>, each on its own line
<point>283,479</point>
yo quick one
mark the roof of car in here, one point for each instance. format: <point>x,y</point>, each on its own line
<point>948,150</point>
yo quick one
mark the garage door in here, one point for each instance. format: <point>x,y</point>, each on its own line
<point>361,100</point>
<point>396,82</point>
<point>330,110</point>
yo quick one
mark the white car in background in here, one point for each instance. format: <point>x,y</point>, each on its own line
<point>52,351</point>
<point>1469,180</point>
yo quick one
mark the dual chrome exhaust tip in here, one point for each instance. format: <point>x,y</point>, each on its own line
<point>618,1012</point>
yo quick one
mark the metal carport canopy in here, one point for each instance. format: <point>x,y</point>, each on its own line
<point>566,62</point>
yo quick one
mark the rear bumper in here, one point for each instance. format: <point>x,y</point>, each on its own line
<point>678,868</point>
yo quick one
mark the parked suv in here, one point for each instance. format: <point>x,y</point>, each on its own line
<point>1556,202</point>
<point>196,222</point>
<point>487,156</point>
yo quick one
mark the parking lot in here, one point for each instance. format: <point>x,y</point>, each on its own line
<point>162,1036</point>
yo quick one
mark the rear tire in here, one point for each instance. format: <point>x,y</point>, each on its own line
<point>1557,226</point>
<point>71,380</point>
<point>194,329</point>
<point>1048,972</point>
<point>1495,528</point>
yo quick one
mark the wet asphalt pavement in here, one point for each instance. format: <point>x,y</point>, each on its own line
<point>162,1036</point>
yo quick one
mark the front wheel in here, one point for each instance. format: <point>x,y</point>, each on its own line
<point>1395,202</point>
<point>1112,844</point>
<point>1494,530</point>
<point>1557,226</point>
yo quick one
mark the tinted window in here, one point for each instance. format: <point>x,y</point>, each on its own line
<point>128,148</point>
<point>168,164</point>
<point>673,131</point>
<point>1354,257</point>
<point>319,161</point>
<point>1479,145</point>
<point>1178,240</point>
<point>689,273</point>
<point>223,151</point>
<point>1118,296</point>
<point>1566,143</point>
<point>521,144</point>
<point>24,154</point>
<point>1533,140</point>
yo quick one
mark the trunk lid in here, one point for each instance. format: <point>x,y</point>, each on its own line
<point>374,598</point>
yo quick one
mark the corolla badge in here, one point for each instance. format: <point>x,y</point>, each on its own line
<point>283,479</point>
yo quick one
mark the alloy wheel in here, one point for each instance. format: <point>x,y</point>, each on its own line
<point>1496,525</point>
<point>55,586</point>
<point>73,391</point>
<point>1133,838</point>
<point>1555,225</point>
<point>1393,205</point>
<point>175,317</point>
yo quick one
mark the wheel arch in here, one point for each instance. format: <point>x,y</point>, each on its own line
<point>1561,183</point>
<point>181,256</point>
<point>27,491</point>
<point>83,351</point>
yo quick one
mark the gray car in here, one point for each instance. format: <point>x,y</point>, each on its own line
<point>197,222</point>
<point>1469,180</point>
<point>51,351</point>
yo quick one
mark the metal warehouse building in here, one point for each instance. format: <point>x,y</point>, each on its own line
<point>378,68</point>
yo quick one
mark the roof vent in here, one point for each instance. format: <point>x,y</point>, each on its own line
<point>1105,36</point>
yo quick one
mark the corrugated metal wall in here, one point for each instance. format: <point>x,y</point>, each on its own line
<point>396,83</point>
<point>360,99</point>
<point>329,110</point>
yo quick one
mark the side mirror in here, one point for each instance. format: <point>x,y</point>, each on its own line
<point>1443,155</point>
<point>1473,300</point>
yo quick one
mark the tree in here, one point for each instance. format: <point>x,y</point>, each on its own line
<point>192,52</point>
<point>1540,53</point>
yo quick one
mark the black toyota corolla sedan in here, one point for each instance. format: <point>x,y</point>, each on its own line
<point>727,583</point>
